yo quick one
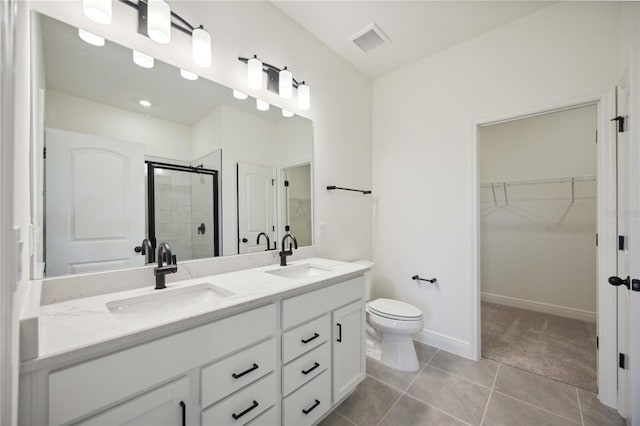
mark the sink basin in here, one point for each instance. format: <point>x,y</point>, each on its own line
<point>171,301</point>
<point>299,271</point>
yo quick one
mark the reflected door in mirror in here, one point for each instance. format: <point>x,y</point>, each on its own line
<point>255,206</point>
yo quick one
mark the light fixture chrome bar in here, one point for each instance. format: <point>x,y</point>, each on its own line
<point>270,70</point>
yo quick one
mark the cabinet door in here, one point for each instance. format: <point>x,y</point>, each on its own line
<point>348,349</point>
<point>164,406</point>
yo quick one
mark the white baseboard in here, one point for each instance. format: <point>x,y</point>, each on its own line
<point>546,308</point>
<point>446,343</point>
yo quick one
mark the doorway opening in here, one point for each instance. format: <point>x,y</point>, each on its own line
<point>538,255</point>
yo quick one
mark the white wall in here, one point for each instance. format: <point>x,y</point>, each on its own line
<point>341,96</point>
<point>422,132</point>
<point>161,138</point>
<point>539,249</point>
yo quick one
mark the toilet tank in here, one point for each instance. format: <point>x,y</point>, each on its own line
<point>367,277</point>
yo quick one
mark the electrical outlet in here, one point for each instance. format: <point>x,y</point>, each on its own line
<point>322,231</point>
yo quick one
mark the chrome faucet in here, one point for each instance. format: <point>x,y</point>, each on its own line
<point>284,253</point>
<point>268,240</point>
<point>147,251</point>
<point>164,252</point>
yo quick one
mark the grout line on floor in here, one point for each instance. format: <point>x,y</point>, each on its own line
<point>580,407</point>
<point>493,385</point>
<point>438,409</point>
<point>346,418</point>
<point>432,357</point>
<point>403,392</point>
<point>535,406</point>
<point>385,383</point>
<point>459,376</point>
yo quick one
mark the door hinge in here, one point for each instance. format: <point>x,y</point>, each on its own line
<point>620,120</point>
<point>621,241</point>
<point>596,239</point>
<point>286,183</point>
<point>273,228</point>
<point>273,182</point>
<point>597,342</point>
<point>622,360</point>
<point>287,228</point>
<point>635,284</point>
<point>596,137</point>
<point>44,152</point>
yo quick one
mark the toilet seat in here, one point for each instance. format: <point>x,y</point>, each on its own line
<point>394,309</point>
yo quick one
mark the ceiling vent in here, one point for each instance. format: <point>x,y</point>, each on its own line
<point>370,38</point>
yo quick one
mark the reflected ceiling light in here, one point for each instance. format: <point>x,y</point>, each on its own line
<point>285,83</point>
<point>201,47</point>
<point>156,21</point>
<point>188,75</point>
<point>262,105</point>
<point>159,21</point>
<point>145,61</point>
<point>279,81</point>
<point>254,73</point>
<point>144,103</point>
<point>286,113</point>
<point>304,96</point>
<point>91,38</point>
<point>239,95</point>
<point>97,10</point>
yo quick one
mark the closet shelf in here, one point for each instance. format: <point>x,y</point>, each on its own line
<point>502,186</point>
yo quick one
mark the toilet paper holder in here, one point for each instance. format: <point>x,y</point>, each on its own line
<point>417,278</point>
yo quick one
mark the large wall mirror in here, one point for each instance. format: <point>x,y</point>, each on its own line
<point>134,152</point>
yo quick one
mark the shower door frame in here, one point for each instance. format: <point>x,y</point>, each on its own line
<point>151,203</point>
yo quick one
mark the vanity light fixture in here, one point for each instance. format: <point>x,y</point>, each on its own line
<point>144,103</point>
<point>145,61</point>
<point>97,10</point>
<point>286,113</point>
<point>91,38</point>
<point>279,81</point>
<point>239,95</point>
<point>188,75</point>
<point>155,20</point>
<point>262,105</point>
<point>159,21</point>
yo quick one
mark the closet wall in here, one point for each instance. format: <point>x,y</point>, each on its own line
<point>538,239</point>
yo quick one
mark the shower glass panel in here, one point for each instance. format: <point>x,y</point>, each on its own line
<point>183,209</point>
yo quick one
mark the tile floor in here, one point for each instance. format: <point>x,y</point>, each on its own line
<point>450,390</point>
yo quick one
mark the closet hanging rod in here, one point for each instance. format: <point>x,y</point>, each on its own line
<point>540,181</point>
<point>332,187</point>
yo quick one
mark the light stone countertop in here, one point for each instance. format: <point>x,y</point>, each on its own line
<point>76,330</point>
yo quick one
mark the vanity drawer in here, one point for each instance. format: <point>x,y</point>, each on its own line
<point>227,376</point>
<point>302,308</point>
<point>306,405</point>
<point>245,405</point>
<point>268,418</point>
<point>306,337</point>
<point>305,368</point>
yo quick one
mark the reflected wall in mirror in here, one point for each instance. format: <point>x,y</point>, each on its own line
<point>135,153</point>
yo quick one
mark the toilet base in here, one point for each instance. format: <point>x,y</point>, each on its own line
<point>399,352</point>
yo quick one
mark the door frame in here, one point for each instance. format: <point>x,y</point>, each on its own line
<point>282,168</point>
<point>606,260</point>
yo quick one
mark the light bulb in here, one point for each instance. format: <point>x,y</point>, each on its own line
<point>159,21</point>
<point>188,75</point>
<point>254,73</point>
<point>144,103</point>
<point>145,61</point>
<point>239,95</point>
<point>91,38</point>
<point>304,97</point>
<point>262,105</point>
<point>286,113</point>
<point>97,10</point>
<point>286,83</point>
<point>201,47</point>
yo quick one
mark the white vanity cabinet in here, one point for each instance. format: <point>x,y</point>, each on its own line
<point>285,363</point>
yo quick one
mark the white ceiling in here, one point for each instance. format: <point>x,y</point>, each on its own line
<point>417,28</point>
<point>109,76</point>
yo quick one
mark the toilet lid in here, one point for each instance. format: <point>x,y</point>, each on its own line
<point>395,308</point>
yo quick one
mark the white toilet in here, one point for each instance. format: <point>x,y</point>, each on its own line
<point>391,326</point>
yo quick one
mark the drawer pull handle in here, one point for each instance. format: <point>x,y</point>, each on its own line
<point>238,375</point>
<point>315,365</point>
<point>310,409</point>
<point>315,336</point>
<point>237,416</point>
<point>339,339</point>
<point>184,413</point>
